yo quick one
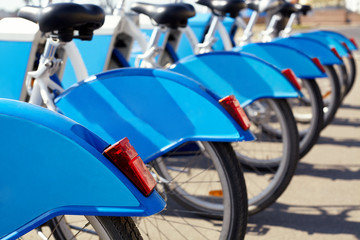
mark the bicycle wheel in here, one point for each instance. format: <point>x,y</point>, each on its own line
<point>270,161</point>
<point>330,88</point>
<point>86,227</point>
<point>309,115</point>
<point>205,192</point>
<point>351,69</point>
<point>343,77</point>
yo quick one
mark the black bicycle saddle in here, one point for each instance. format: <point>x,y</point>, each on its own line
<point>223,7</point>
<point>255,5</point>
<point>63,18</point>
<point>304,9</point>
<point>172,15</point>
<point>286,9</point>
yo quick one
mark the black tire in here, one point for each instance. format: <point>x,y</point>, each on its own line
<point>343,77</point>
<point>114,228</point>
<point>330,89</point>
<point>309,115</point>
<point>191,205</point>
<point>273,171</point>
<point>351,69</point>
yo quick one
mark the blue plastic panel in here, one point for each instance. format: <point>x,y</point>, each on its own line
<point>285,57</point>
<point>245,76</point>
<point>327,40</point>
<point>13,64</point>
<point>52,166</point>
<point>312,48</point>
<point>338,36</point>
<point>157,110</point>
<point>94,55</point>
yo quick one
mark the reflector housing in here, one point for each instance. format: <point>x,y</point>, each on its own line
<point>232,106</point>
<point>318,64</point>
<point>127,160</point>
<point>346,46</point>
<point>336,53</point>
<point>353,42</point>
<point>290,75</point>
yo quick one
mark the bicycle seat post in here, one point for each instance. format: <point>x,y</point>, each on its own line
<point>120,8</point>
<point>51,47</point>
<point>63,23</point>
<point>166,17</point>
<point>267,33</point>
<point>248,31</point>
<point>209,38</point>
<point>288,28</point>
<point>155,47</point>
<point>48,65</point>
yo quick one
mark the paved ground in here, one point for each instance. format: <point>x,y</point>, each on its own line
<point>323,199</point>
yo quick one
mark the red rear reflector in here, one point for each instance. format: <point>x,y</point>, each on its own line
<point>232,106</point>
<point>346,46</point>
<point>353,42</point>
<point>336,53</point>
<point>290,75</point>
<point>125,157</point>
<point>318,64</point>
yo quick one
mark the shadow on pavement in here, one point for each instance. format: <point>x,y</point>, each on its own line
<point>346,122</point>
<point>348,106</point>
<point>310,219</point>
<point>333,172</point>
<point>348,142</point>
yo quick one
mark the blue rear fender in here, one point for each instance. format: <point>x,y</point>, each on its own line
<point>338,36</point>
<point>58,166</point>
<point>285,57</point>
<point>312,48</point>
<point>156,109</point>
<point>246,76</point>
<point>327,40</point>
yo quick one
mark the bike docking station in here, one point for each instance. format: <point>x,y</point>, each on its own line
<point>19,39</point>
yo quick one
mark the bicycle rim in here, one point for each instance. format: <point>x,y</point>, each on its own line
<point>267,174</point>
<point>330,89</point>
<point>200,197</point>
<point>73,227</point>
<point>309,115</point>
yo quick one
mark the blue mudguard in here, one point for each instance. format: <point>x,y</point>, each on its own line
<point>327,40</point>
<point>156,109</point>
<point>335,35</point>
<point>52,166</point>
<point>244,75</point>
<point>284,57</point>
<point>312,48</point>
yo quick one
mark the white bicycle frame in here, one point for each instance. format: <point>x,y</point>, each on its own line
<point>266,35</point>
<point>246,37</point>
<point>39,92</point>
<point>39,82</point>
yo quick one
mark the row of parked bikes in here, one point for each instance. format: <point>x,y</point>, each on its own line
<point>180,131</point>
